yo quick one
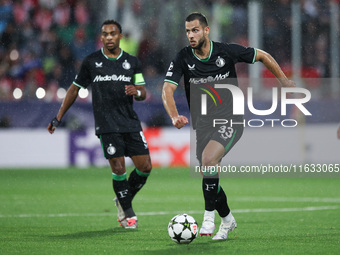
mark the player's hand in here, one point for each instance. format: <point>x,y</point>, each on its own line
<point>287,83</point>
<point>131,90</point>
<point>338,132</point>
<point>179,121</point>
<point>53,125</point>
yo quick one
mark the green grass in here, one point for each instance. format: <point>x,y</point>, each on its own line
<point>71,212</point>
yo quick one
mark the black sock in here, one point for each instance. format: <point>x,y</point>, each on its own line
<point>210,186</point>
<point>137,179</point>
<point>122,189</point>
<point>221,203</point>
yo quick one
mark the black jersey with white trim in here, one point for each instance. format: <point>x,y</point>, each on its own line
<point>218,67</point>
<point>112,108</point>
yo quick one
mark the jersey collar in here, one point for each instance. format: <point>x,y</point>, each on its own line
<point>119,56</point>
<point>204,59</point>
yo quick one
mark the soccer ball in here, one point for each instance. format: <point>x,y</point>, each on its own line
<point>182,228</point>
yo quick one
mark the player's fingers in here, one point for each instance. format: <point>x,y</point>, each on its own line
<point>50,129</point>
<point>176,123</point>
<point>289,83</point>
<point>179,126</point>
<point>183,120</point>
<point>130,90</point>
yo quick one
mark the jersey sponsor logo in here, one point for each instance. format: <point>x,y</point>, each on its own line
<point>220,62</point>
<point>218,77</point>
<point>126,65</point>
<point>191,68</point>
<point>98,65</point>
<point>169,74</point>
<point>112,77</point>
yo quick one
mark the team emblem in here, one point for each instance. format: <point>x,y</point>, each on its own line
<point>99,64</point>
<point>111,149</point>
<point>126,65</point>
<point>220,61</point>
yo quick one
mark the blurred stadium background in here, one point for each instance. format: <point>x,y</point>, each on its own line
<point>43,43</point>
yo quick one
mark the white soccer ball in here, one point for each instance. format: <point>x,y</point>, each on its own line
<point>183,228</point>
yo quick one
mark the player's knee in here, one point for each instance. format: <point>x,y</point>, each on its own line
<point>118,171</point>
<point>117,165</point>
<point>209,160</point>
<point>146,167</point>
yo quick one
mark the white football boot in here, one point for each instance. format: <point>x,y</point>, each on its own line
<point>224,229</point>
<point>129,223</point>
<point>208,226</point>
<point>120,211</point>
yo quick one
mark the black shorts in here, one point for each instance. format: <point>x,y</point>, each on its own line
<point>224,134</point>
<point>124,144</point>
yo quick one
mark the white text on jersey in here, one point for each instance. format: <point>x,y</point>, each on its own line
<point>218,77</point>
<point>112,77</point>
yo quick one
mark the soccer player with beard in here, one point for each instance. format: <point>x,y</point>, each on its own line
<point>116,79</point>
<point>199,62</point>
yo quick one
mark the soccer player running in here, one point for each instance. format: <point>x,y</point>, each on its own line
<point>202,59</point>
<point>116,78</point>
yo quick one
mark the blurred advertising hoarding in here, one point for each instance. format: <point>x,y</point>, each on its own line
<point>169,147</point>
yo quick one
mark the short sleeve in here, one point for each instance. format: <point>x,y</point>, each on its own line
<point>241,53</point>
<point>174,73</point>
<point>83,79</point>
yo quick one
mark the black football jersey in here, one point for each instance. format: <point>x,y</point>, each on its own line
<point>112,108</point>
<point>219,67</point>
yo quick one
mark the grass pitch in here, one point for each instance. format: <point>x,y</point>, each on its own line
<point>71,212</point>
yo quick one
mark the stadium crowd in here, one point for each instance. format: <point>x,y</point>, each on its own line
<point>42,42</point>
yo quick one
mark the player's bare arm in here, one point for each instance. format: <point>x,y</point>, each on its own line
<point>178,121</point>
<point>270,63</point>
<point>71,96</point>
<point>139,92</point>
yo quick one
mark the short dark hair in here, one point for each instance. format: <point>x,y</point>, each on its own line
<point>112,22</point>
<point>199,16</point>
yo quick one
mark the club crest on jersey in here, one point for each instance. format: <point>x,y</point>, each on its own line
<point>220,62</point>
<point>126,65</point>
<point>191,68</point>
<point>98,65</point>
<point>111,149</point>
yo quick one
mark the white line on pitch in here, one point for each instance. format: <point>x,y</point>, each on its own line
<point>290,199</point>
<point>258,210</point>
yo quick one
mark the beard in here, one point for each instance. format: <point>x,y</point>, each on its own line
<point>199,45</point>
<point>112,50</point>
